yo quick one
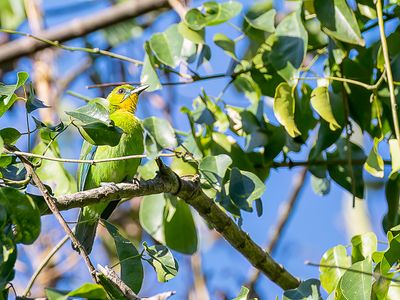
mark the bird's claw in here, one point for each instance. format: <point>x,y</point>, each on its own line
<point>109,184</point>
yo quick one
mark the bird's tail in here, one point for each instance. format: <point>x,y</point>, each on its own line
<point>85,232</point>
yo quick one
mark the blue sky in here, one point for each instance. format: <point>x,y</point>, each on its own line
<point>317,223</point>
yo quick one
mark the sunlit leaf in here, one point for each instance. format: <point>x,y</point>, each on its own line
<point>338,21</point>
<point>284,106</point>
<point>162,261</point>
<point>7,96</point>
<point>162,132</point>
<point>330,276</point>
<point>228,45</point>
<point>265,21</point>
<point>374,164</point>
<point>167,46</point>
<point>213,169</point>
<point>320,101</point>
<point>356,282</point>
<point>364,245</point>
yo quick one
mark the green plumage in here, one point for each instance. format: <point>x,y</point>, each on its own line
<point>91,176</point>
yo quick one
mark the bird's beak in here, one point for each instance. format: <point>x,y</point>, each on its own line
<point>140,88</point>
<point>136,90</point>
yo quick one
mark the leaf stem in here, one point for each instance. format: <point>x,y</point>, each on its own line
<point>388,69</point>
<point>69,48</point>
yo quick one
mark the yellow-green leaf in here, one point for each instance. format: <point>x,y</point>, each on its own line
<point>284,106</point>
<point>320,101</point>
<point>374,164</point>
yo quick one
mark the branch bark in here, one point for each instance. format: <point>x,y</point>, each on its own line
<point>188,189</point>
<point>79,27</point>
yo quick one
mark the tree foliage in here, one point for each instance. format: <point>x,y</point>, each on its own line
<point>327,78</point>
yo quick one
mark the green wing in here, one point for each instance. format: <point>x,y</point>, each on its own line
<point>87,153</point>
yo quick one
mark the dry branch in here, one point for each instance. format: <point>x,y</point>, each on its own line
<point>79,27</point>
<point>188,189</point>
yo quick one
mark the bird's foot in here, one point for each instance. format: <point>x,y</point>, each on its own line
<point>109,184</point>
<point>136,181</point>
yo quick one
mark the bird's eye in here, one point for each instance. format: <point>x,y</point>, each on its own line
<point>121,91</point>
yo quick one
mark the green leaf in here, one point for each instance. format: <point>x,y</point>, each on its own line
<point>183,241</point>
<point>392,191</point>
<point>99,133</point>
<point>194,36</point>
<point>367,8</point>
<point>53,173</point>
<point>9,135</point>
<point>334,257</point>
<point>320,101</point>
<point>364,245</point>
<point>394,155</point>
<point>129,257</point>
<point>308,290</point>
<point>94,124</point>
<point>204,55</point>
<point>167,46</point>
<point>8,255</point>
<point>338,21</point>
<point>284,106</point>
<point>89,291</point>
<point>243,294</point>
<point>228,45</point>
<point>341,173</point>
<point>162,132</point>
<point>374,164</point>
<point>7,96</point>
<point>149,74</point>
<point>355,283</point>
<point>244,188</point>
<point>32,102</point>
<point>151,216</point>
<point>326,138</point>
<point>195,20</point>
<point>165,227</point>
<point>213,169</point>
<point>264,22</point>
<point>290,47</point>
<point>217,13</point>
<point>162,261</point>
<point>23,215</point>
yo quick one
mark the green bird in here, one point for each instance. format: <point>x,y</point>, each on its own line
<point>122,106</point>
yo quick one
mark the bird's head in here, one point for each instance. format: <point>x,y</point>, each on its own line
<point>125,97</point>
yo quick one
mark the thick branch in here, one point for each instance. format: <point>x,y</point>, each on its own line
<point>188,189</point>
<point>79,27</point>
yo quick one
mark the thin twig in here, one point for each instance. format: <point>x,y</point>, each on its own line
<point>69,48</point>
<point>369,87</point>
<point>51,203</point>
<point>388,69</point>
<point>375,274</point>
<point>83,161</point>
<point>43,264</point>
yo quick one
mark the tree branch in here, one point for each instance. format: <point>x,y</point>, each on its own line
<point>79,27</point>
<point>188,189</point>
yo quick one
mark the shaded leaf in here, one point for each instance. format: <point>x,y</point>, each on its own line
<point>244,188</point>
<point>149,74</point>
<point>290,48</point>
<point>308,289</point>
<point>213,169</point>
<point>9,135</point>
<point>23,215</point>
<point>129,257</point>
<point>228,45</point>
<point>162,132</point>
<point>264,22</point>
